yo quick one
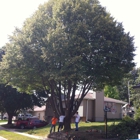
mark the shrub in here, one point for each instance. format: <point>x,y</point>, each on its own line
<point>127,129</point>
<point>137,114</point>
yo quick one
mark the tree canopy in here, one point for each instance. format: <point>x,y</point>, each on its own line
<point>67,46</point>
<point>121,90</point>
<point>135,93</point>
<point>111,92</point>
<point>12,101</point>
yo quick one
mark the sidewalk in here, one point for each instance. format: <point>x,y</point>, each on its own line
<point>1,138</point>
<point>20,133</point>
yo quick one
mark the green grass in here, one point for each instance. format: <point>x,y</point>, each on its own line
<point>44,131</point>
<point>1,121</point>
<point>12,136</point>
<point>82,127</point>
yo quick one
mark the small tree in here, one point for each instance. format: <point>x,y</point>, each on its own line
<point>12,101</point>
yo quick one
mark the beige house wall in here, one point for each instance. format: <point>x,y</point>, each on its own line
<point>84,108</point>
<point>93,109</point>
<point>80,110</point>
<point>99,104</point>
<point>39,114</point>
<point>118,114</point>
<point>89,110</point>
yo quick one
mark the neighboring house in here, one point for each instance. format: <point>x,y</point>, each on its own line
<point>136,87</point>
<point>5,116</point>
<point>39,112</point>
<point>91,108</point>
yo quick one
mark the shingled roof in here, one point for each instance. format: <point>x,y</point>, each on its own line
<point>90,96</point>
<point>137,86</point>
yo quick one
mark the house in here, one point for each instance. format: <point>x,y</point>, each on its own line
<point>39,112</point>
<point>91,109</point>
<point>136,87</point>
<point>93,105</point>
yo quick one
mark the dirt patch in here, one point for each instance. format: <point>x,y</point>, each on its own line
<point>79,135</point>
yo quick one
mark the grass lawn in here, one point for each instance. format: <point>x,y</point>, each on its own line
<point>82,127</point>
<point>1,121</point>
<point>13,136</point>
<point>44,131</point>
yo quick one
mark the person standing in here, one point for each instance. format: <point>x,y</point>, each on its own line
<point>61,122</point>
<point>77,119</point>
<point>53,123</point>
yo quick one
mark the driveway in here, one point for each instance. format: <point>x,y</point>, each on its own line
<point>1,138</point>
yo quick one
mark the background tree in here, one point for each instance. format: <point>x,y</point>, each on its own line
<point>64,47</point>
<point>111,92</point>
<point>12,101</point>
<point>135,93</point>
<point>131,79</point>
<point>2,109</point>
<point>120,91</point>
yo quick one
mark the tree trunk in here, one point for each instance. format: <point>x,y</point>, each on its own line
<point>10,116</point>
<point>2,115</point>
<point>67,123</point>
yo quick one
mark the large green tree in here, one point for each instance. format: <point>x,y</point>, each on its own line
<point>68,45</point>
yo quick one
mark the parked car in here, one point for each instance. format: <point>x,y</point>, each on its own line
<point>29,123</point>
<point>36,123</point>
<point>24,116</point>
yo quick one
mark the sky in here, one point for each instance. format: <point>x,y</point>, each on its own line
<point>14,12</point>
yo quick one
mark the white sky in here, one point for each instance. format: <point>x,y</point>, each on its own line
<point>14,12</point>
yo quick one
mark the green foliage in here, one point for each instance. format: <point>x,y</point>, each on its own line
<point>135,93</point>
<point>137,114</point>
<point>128,128</point>
<point>111,92</point>
<point>13,101</point>
<point>68,40</point>
<point>123,89</point>
<point>131,79</point>
<point>64,46</point>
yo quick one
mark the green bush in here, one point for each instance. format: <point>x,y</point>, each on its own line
<point>137,114</point>
<point>128,128</point>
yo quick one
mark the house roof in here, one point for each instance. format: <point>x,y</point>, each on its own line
<point>137,86</point>
<point>106,99</point>
<point>90,96</point>
<point>36,108</point>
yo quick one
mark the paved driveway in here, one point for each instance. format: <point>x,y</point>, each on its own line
<point>1,138</point>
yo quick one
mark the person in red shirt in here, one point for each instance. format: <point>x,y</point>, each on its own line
<point>53,123</point>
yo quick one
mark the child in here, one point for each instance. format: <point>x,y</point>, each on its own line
<point>53,123</point>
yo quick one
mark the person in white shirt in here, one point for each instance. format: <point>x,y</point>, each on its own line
<point>61,122</point>
<point>77,119</point>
